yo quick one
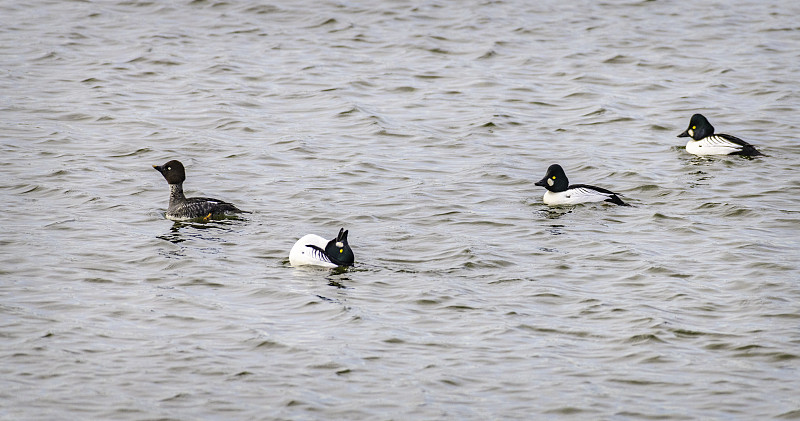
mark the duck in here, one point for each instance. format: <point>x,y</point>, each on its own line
<point>182,208</point>
<point>705,142</point>
<point>313,250</point>
<point>560,192</point>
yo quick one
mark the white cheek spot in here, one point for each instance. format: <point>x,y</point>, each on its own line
<point>339,244</point>
<point>691,132</point>
<point>550,182</point>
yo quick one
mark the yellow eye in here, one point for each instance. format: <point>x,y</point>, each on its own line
<point>554,177</point>
<point>694,127</point>
<point>341,250</point>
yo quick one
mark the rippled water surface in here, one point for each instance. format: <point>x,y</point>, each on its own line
<point>420,127</point>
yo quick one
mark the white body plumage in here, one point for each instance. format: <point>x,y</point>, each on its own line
<point>574,196</point>
<point>712,145</point>
<point>303,255</point>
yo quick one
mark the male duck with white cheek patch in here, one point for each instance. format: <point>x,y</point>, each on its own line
<point>705,142</point>
<point>560,192</point>
<point>313,250</point>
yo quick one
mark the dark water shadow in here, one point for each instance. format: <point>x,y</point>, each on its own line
<point>556,213</point>
<point>202,230</point>
<point>336,277</point>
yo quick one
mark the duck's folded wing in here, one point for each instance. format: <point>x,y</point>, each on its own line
<point>590,190</point>
<point>722,138</point>
<point>209,205</point>
<point>318,253</point>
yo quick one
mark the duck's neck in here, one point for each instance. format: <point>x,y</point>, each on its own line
<point>176,193</point>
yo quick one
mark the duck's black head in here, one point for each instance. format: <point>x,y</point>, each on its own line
<point>172,171</point>
<point>699,128</point>
<point>339,251</point>
<point>555,179</point>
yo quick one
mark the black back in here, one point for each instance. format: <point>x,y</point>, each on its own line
<point>613,198</point>
<point>747,149</point>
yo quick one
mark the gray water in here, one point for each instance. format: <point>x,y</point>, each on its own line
<point>420,127</point>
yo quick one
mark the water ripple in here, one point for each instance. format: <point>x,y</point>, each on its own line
<point>421,129</point>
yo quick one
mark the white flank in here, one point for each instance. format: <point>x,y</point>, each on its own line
<point>574,197</point>
<point>712,145</point>
<point>302,255</point>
